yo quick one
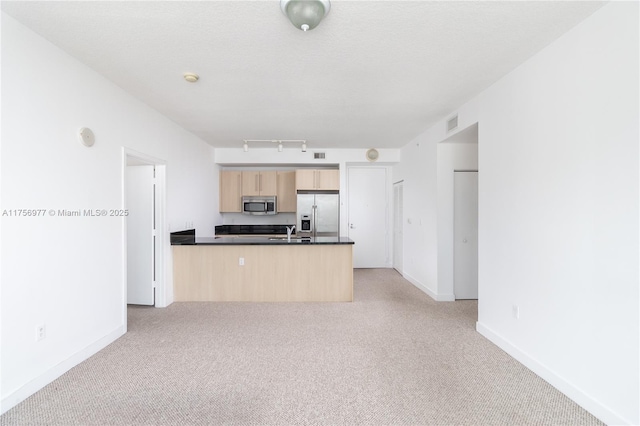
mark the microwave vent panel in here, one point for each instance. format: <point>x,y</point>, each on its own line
<point>452,123</point>
<point>318,155</point>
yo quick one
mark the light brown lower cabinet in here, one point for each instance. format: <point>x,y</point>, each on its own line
<point>271,273</point>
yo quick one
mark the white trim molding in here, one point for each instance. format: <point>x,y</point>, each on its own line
<point>435,296</point>
<point>33,386</point>
<point>587,402</point>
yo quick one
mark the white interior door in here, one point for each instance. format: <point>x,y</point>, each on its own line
<point>465,235</point>
<point>368,216</point>
<point>397,226</point>
<point>140,235</point>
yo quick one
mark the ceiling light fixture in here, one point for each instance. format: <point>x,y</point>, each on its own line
<point>305,14</point>
<point>191,77</point>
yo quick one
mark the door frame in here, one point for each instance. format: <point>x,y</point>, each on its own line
<point>398,223</point>
<point>457,153</point>
<point>163,292</point>
<point>140,195</point>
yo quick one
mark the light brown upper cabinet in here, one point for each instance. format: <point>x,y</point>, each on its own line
<point>230,191</point>
<point>259,182</point>
<point>287,199</point>
<point>311,179</point>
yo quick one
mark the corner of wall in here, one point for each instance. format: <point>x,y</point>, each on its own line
<point>552,377</point>
<point>429,292</point>
<point>31,387</point>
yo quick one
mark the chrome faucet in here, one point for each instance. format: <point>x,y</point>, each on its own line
<point>289,231</point>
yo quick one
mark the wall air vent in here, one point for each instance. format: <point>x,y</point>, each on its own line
<point>452,124</point>
<point>318,155</point>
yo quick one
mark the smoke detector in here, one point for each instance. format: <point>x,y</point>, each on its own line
<point>191,77</point>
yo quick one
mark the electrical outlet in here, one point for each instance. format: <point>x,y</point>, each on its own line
<point>515,311</point>
<point>41,332</point>
<point>241,261</point>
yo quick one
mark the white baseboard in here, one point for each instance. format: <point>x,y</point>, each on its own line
<point>446,298</point>
<point>590,404</point>
<point>435,296</point>
<point>419,285</point>
<point>49,376</point>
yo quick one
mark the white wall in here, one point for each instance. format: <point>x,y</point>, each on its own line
<point>293,155</point>
<point>193,186</point>
<point>558,194</point>
<point>419,171</point>
<point>67,272</point>
<point>558,212</point>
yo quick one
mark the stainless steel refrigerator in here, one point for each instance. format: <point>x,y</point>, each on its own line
<point>318,214</point>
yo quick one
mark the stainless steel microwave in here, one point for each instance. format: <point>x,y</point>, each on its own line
<point>259,205</point>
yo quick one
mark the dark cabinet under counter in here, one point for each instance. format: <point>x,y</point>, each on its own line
<point>187,236</point>
<point>224,230</point>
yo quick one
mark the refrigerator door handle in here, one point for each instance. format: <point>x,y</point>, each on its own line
<point>314,219</point>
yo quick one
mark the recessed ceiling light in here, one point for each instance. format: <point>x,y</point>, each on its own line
<point>191,77</point>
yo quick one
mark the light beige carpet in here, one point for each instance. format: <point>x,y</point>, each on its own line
<point>393,356</point>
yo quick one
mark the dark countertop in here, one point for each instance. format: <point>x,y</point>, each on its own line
<point>257,241</point>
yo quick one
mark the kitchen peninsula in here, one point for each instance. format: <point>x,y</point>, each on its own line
<point>262,269</point>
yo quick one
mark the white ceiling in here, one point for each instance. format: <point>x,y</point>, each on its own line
<point>372,74</point>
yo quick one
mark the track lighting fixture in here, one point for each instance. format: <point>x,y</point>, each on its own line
<point>245,143</point>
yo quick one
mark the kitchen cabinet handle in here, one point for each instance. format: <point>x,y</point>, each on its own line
<point>260,180</point>
<point>255,183</point>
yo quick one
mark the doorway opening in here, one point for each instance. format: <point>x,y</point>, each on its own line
<point>145,245</point>
<point>457,153</point>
